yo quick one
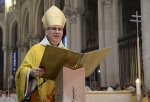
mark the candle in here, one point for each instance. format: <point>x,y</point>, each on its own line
<point>138,87</point>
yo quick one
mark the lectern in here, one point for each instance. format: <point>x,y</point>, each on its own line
<point>68,69</point>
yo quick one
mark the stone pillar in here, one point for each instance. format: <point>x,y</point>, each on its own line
<point>23,48</point>
<point>31,17</point>
<point>5,74</point>
<point>68,26</point>
<point>19,31</point>
<point>115,11</point>
<point>84,35</point>
<point>101,41</point>
<point>76,16</point>
<point>30,38</point>
<point>5,46</point>
<point>145,16</point>
<point>67,2</point>
<point>109,42</point>
<point>73,32</point>
<point>79,29</point>
<point>10,67</point>
<point>75,24</point>
<point>19,53</point>
<point>79,13</point>
<point>33,39</point>
<point>46,5</point>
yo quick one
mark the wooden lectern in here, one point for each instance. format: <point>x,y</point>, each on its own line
<point>70,85</point>
<point>68,69</point>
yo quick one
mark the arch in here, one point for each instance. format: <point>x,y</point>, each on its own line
<point>12,32</point>
<point>39,11</point>
<point>25,27</point>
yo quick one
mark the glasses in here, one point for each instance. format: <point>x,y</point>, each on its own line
<point>53,29</point>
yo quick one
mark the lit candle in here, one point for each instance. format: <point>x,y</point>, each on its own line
<point>138,87</point>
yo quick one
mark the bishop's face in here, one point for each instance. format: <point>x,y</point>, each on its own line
<point>54,34</point>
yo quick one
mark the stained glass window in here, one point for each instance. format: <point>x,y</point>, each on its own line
<point>14,62</point>
<point>2,3</point>
<point>65,40</point>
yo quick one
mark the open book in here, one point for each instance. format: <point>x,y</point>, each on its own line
<point>55,58</point>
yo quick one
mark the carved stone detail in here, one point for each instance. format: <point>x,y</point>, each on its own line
<point>76,12</point>
<point>5,48</point>
<point>67,12</point>
<point>34,39</point>
<point>80,11</point>
<point>22,45</point>
<point>108,2</point>
<point>73,18</point>
<point>11,49</point>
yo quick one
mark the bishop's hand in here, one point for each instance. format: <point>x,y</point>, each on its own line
<point>36,72</point>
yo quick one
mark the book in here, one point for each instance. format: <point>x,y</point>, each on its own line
<point>54,59</point>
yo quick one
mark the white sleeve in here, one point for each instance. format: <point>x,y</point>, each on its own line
<point>30,84</point>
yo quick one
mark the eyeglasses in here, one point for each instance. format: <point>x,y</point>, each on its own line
<point>54,29</point>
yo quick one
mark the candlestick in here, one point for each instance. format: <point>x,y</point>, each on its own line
<point>138,90</point>
<point>138,87</point>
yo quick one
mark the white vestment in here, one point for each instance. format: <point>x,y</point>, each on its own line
<point>8,99</point>
<point>14,96</point>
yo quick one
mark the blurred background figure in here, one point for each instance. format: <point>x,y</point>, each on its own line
<point>117,87</point>
<point>2,95</point>
<point>110,88</point>
<point>7,98</point>
<point>98,88</point>
<point>130,87</point>
<point>14,95</point>
<point>87,88</point>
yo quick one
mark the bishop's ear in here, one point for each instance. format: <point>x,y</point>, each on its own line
<point>46,32</point>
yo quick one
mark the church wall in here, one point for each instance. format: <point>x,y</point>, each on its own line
<point>145,17</point>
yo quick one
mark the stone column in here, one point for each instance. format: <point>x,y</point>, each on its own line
<point>34,39</point>
<point>145,16</point>
<point>68,26</point>
<point>19,31</point>
<point>79,28</point>
<point>46,5</point>
<point>5,74</point>
<point>115,11</point>
<point>23,48</point>
<point>84,35</point>
<point>5,46</point>
<point>29,38</point>
<point>101,41</point>
<point>10,67</point>
<point>19,53</point>
<point>31,17</point>
<point>67,2</point>
<point>109,41</point>
<point>73,33</point>
<point>80,11</point>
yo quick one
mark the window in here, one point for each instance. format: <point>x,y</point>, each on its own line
<point>12,5</point>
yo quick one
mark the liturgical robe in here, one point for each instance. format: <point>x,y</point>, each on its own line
<point>23,79</point>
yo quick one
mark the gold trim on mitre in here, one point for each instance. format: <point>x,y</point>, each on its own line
<point>53,16</point>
